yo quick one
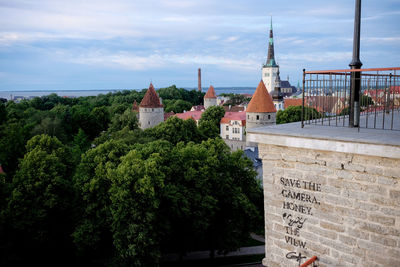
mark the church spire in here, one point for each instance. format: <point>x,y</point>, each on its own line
<point>271,55</point>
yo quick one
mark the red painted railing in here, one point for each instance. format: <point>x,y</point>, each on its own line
<point>311,260</point>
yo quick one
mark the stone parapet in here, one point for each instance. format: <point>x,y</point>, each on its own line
<point>333,196</point>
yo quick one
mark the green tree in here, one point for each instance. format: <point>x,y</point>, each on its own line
<point>366,101</point>
<point>177,106</point>
<point>39,207</point>
<point>92,235</point>
<point>176,130</point>
<point>134,195</point>
<point>3,113</point>
<point>52,127</point>
<point>128,119</point>
<point>13,137</point>
<point>209,124</point>
<point>293,114</point>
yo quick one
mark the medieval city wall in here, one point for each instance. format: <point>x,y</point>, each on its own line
<point>343,207</point>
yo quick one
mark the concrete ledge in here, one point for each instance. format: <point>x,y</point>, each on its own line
<point>371,142</point>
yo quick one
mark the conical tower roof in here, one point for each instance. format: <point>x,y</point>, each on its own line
<point>261,100</point>
<point>210,93</point>
<point>135,106</point>
<point>150,99</point>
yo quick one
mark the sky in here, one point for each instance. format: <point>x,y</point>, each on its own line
<point>126,44</point>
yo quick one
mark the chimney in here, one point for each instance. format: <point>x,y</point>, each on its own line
<point>199,80</point>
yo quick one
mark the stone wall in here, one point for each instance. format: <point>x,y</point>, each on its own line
<point>209,102</point>
<point>150,117</point>
<point>342,207</point>
<point>235,144</point>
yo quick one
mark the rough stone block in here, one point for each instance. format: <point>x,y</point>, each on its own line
<point>358,234</point>
<point>389,221</point>
<point>347,240</point>
<point>390,242</point>
<point>331,226</point>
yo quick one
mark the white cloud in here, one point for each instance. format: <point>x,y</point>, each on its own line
<point>131,61</point>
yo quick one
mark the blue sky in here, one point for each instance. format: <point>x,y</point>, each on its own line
<point>75,44</point>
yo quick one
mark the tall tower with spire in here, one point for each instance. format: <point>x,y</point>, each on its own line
<point>270,68</point>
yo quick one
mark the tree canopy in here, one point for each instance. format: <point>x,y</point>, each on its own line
<point>293,114</point>
<point>84,185</point>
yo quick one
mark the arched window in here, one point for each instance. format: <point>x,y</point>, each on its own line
<point>258,117</point>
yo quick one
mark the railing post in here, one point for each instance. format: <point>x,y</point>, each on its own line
<point>302,109</point>
<point>355,87</point>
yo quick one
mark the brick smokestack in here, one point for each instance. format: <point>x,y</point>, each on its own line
<point>199,80</point>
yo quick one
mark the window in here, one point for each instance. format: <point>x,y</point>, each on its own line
<point>258,117</point>
<point>149,122</point>
<point>227,136</point>
<point>269,117</point>
<point>248,116</point>
<point>266,74</point>
<point>227,127</point>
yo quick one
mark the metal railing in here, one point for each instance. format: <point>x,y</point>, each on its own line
<point>309,261</point>
<point>327,96</point>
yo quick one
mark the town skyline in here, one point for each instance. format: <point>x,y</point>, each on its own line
<point>86,46</point>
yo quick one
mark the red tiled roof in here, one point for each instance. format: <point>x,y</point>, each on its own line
<point>261,100</point>
<point>233,108</point>
<point>168,114</point>
<point>150,99</point>
<point>330,104</point>
<point>135,106</point>
<point>288,102</point>
<point>197,108</point>
<point>210,93</point>
<point>196,115</point>
<point>234,116</point>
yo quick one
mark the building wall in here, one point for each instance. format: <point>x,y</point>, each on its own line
<point>235,144</point>
<point>263,119</point>
<point>209,102</point>
<point>237,134</point>
<point>279,105</point>
<point>269,76</point>
<point>342,207</point>
<point>150,117</point>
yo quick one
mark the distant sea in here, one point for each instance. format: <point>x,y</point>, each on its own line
<point>77,93</point>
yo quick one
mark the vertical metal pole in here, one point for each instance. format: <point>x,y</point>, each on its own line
<point>392,102</point>
<point>302,109</point>
<point>354,118</point>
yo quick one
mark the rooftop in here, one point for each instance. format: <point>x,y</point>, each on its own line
<point>236,116</point>
<point>210,93</point>
<point>261,100</point>
<point>151,99</point>
<point>196,115</point>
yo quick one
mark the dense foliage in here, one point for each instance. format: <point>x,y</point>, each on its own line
<point>83,185</point>
<point>293,114</point>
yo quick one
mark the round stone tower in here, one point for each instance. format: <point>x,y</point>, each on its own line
<point>210,99</point>
<point>261,110</point>
<point>151,111</point>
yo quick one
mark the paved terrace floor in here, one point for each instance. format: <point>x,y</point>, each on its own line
<point>367,141</point>
<point>340,133</point>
